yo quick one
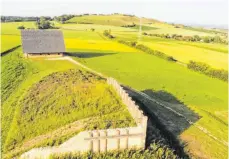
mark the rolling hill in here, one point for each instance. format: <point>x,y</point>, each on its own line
<point>28,102</point>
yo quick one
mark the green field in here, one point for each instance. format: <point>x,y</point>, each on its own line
<point>204,95</point>
<point>208,97</point>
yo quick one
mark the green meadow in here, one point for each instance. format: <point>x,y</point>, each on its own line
<point>208,97</point>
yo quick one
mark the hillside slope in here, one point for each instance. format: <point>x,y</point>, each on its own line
<point>115,20</point>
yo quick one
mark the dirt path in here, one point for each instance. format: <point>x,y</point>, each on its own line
<point>77,63</point>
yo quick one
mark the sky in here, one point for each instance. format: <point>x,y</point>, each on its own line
<point>206,12</point>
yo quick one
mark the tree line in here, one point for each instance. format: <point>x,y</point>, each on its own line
<point>148,50</point>
<point>17,19</point>
<point>195,38</point>
<point>208,70</point>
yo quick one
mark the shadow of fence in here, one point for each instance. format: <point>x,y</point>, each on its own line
<point>168,117</point>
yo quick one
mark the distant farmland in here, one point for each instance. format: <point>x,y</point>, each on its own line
<point>158,78</point>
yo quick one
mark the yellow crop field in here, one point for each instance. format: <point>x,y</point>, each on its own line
<point>97,45</point>
<point>185,53</point>
<point>9,41</point>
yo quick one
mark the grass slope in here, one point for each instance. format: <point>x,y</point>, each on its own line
<point>26,73</point>
<point>46,96</point>
<point>64,97</point>
<point>114,20</point>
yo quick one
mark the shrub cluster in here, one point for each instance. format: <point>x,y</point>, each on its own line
<point>107,33</point>
<point>208,70</point>
<point>129,26</point>
<point>21,27</point>
<point>148,50</point>
<point>63,18</point>
<point>43,23</point>
<point>195,38</point>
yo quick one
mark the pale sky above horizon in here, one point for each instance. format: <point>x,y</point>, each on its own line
<point>206,12</point>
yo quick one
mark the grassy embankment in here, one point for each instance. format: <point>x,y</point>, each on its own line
<point>45,96</point>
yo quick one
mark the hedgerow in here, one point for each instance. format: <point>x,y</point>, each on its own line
<point>208,70</point>
<point>195,38</point>
<point>148,50</point>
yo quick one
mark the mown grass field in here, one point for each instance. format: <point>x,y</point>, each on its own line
<point>204,95</point>
<point>142,71</point>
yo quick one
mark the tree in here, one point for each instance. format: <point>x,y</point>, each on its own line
<point>207,39</point>
<point>217,39</point>
<point>92,29</point>
<point>133,43</point>
<point>196,37</point>
<point>107,33</point>
<point>42,23</point>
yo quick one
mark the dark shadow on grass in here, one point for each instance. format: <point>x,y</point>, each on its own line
<point>87,54</point>
<point>165,125</point>
<point>10,50</point>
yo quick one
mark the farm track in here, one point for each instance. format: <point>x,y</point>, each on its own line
<point>202,129</point>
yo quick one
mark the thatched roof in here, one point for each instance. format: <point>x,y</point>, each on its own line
<point>42,41</point>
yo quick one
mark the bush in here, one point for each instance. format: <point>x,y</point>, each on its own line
<point>92,29</point>
<point>133,44</point>
<point>107,33</point>
<point>21,27</point>
<point>208,70</point>
<point>129,26</point>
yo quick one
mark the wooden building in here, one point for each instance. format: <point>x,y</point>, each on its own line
<point>41,43</point>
